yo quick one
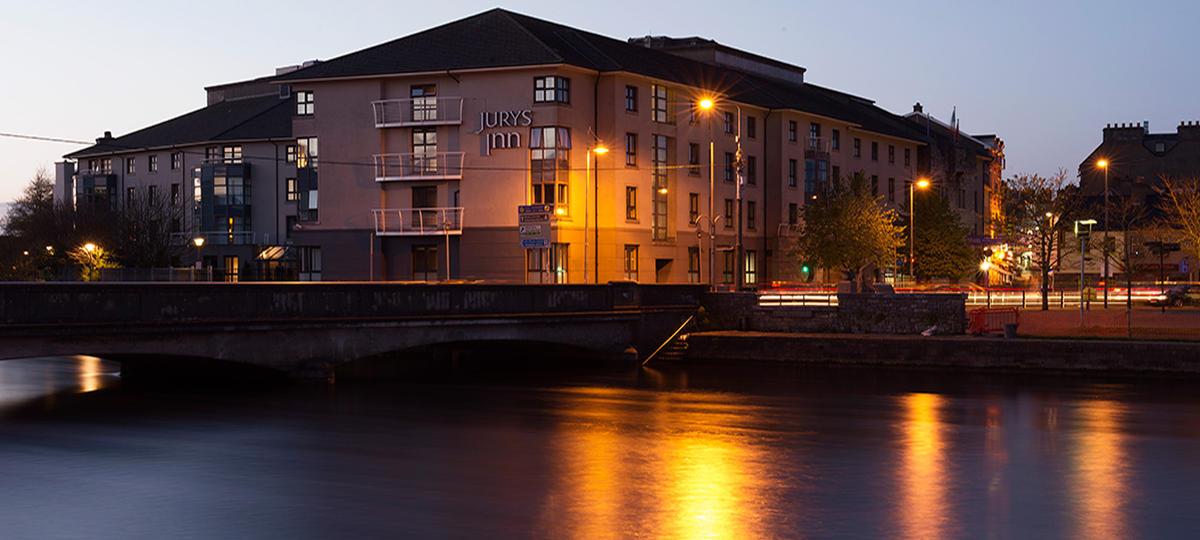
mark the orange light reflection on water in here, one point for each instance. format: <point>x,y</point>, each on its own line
<point>923,510</point>
<point>1099,472</point>
<point>90,374</point>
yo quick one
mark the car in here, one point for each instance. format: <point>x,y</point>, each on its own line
<point>1178,296</point>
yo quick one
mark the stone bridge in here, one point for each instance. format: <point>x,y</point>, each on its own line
<point>310,329</point>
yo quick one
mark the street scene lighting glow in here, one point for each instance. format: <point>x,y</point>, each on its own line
<point>706,104</point>
<point>89,247</point>
<point>600,150</point>
<point>1103,163</point>
<point>922,183</point>
<point>198,241</point>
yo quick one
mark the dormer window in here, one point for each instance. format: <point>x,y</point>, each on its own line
<point>1160,147</point>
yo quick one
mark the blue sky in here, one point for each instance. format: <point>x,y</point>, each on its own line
<point>1045,75</point>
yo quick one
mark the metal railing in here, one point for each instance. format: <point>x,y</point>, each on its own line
<point>817,144</point>
<point>435,166</point>
<point>427,111</point>
<point>418,221</point>
<point>223,238</point>
<point>789,230</point>
<point>156,274</point>
<point>975,298</point>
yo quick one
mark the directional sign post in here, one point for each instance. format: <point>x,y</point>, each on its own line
<point>533,226</point>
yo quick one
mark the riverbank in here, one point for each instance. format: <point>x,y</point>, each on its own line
<point>952,352</point>
<point>1149,323</point>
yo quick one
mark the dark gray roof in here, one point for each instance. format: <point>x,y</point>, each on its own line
<point>500,38</point>
<point>264,117</point>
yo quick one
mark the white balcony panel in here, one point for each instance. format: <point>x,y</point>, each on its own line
<point>428,111</point>
<point>418,221</point>
<point>436,166</point>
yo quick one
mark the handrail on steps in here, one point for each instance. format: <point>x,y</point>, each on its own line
<point>669,340</point>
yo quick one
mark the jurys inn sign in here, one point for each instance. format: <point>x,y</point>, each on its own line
<point>496,137</point>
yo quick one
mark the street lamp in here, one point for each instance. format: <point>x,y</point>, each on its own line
<point>708,104</point>
<point>1104,165</point>
<point>599,149</point>
<point>921,183</point>
<point>199,243</point>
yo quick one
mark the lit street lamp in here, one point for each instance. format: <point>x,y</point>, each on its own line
<point>708,104</point>
<point>1103,164</point>
<point>199,243</point>
<point>89,247</point>
<point>921,183</point>
<point>599,149</point>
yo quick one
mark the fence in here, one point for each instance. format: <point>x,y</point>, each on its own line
<point>156,274</point>
<point>975,298</point>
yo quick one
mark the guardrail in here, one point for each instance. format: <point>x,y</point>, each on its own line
<point>984,298</point>
<point>424,111</point>
<point>418,221</point>
<point>435,166</point>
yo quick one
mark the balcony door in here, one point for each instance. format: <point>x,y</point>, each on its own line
<point>424,102</point>
<point>424,152</point>
<point>425,263</point>
<point>424,201</point>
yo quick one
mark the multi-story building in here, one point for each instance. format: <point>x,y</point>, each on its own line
<point>1137,160</point>
<point>228,168</point>
<point>430,143</point>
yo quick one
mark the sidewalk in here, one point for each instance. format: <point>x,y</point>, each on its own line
<point>1148,323</point>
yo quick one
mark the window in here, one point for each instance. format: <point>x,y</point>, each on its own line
<point>891,190</point>
<point>425,263</point>
<point>693,264</point>
<point>874,185</point>
<point>175,194</point>
<point>293,192</point>
<point>791,131</point>
<point>212,154</point>
<point>130,165</point>
<point>290,153</point>
<point>658,104</point>
<point>751,127</point>
<point>539,261</point>
<point>304,103</point>
<point>129,196</point>
<point>658,225</point>
<point>728,214</point>
<point>751,267</point>
<point>424,151</point>
<point>793,213</point>
<point>230,190</point>
<point>176,160</point>
<point>814,134</point>
<point>694,159</point>
<point>835,139</point>
<point>631,101</point>
<point>891,153</point>
<point>550,165</point>
<point>631,262</point>
<point>751,215</point>
<point>810,177</point>
<point>791,173</point>
<point>728,166</point>
<point>727,267</point>
<point>630,203</point>
<point>232,269</point>
<point>631,149</point>
<point>231,154</point>
<point>693,208</point>
<point>306,152</point>
<point>152,163</point>
<point>874,151</point>
<point>728,116</point>
<point>106,165</point>
<point>153,198</point>
<point>751,170</point>
<point>1160,147</point>
<point>551,89</point>
<point>310,263</point>
<point>857,147</point>
<point>907,157</point>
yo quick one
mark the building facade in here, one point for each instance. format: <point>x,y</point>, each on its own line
<point>427,150</point>
<point>1138,160</point>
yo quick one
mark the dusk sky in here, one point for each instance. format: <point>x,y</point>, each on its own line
<point>1045,76</point>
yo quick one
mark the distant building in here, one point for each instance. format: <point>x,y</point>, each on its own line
<point>1138,159</point>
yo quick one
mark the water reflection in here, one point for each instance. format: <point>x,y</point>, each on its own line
<point>91,374</point>
<point>683,463</point>
<point>923,511</point>
<point>1099,472</point>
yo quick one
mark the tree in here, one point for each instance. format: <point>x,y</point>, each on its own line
<point>91,260</point>
<point>849,230</point>
<point>1181,210</point>
<point>31,216</point>
<point>940,244</point>
<point>145,231</point>
<point>1038,212</point>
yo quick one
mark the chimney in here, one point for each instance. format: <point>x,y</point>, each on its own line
<point>917,108</point>
<point>107,137</point>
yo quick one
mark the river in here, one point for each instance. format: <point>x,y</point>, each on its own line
<point>697,452</point>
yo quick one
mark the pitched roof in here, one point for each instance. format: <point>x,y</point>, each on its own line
<point>942,130</point>
<point>261,117</point>
<point>501,38</point>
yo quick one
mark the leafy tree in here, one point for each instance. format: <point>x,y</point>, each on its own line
<point>849,230</point>
<point>940,244</point>
<point>1038,214</point>
<point>1181,211</point>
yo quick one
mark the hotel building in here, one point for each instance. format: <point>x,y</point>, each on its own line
<point>416,154</point>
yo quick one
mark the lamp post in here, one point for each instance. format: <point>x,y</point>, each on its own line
<point>706,104</point>
<point>599,149</point>
<point>199,243</point>
<point>1103,164</point>
<point>921,183</point>
<point>1083,229</point>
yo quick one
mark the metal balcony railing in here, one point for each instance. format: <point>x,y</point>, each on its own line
<point>418,221</point>
<point>436,166</point>
<point>427,111</point>
<point>789,230</point>
<point>222,238</point>
<point>817,144</point>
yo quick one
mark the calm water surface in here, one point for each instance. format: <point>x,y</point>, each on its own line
<point>669,453</point>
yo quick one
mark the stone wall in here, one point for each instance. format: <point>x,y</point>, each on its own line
<point>854,314</point>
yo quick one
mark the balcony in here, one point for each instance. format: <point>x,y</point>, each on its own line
<point>418,221</point>
<point>816,145</point>
<point>429,111</point>
<point>790,230</point>
<point>436,166</point>
<point>222,238</point>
